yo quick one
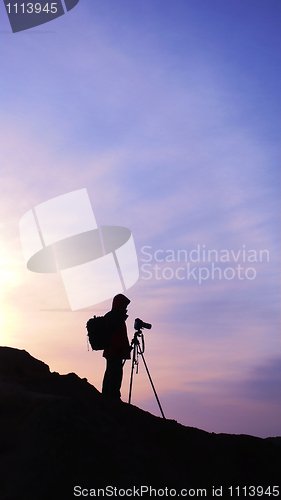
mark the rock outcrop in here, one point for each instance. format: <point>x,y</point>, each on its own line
<point>58,432</point>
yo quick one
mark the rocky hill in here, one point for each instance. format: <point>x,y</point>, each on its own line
<point>61,439</point>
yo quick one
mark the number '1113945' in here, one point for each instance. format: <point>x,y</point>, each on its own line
<point>32,7</point>
<point>253,491</point>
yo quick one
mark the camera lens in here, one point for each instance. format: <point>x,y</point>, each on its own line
<point>139,324</point>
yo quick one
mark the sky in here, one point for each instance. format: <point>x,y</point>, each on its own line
<point>168,113</point>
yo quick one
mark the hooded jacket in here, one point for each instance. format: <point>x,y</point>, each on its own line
<point>118,346</point>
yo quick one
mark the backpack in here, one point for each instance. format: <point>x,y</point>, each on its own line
<point>98,333</point>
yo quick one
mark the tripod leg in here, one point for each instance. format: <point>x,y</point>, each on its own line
<point>162,413</point>
<point>132,373</point>
<point>131,382</point>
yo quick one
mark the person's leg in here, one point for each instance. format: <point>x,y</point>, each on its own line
<point>116,381</point>
<point>113,378</point>
<point>106,380</point>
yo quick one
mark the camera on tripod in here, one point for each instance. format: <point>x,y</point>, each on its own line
<point>139,324</point>
<point>138,348</point>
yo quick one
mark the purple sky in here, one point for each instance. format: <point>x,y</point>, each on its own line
<point>169,114</point>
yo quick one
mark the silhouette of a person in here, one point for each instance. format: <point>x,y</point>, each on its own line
<point>118,348</point>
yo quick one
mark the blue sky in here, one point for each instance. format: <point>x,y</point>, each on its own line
<point>169,114</point>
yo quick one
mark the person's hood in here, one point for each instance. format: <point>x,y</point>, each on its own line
<point>120,303</point>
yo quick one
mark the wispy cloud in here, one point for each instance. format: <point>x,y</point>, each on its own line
<point>248,406</point>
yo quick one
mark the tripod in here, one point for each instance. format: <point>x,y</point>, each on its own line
<point>139,349</point>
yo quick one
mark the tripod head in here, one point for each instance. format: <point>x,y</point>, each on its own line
<point>135,344</point>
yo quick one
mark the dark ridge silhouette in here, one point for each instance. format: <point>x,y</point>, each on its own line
<point>58,431</point>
